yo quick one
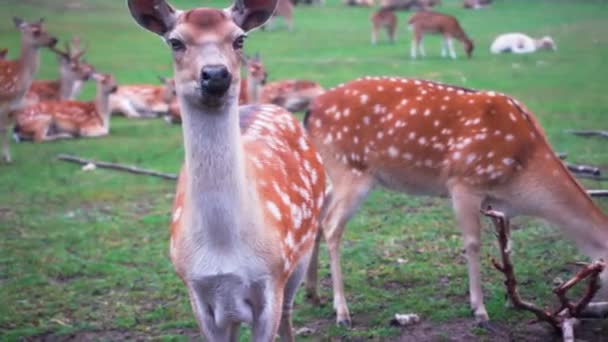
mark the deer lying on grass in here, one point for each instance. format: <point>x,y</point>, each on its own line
<point>51,120</point>
<point>72,73</point>
<point>251,189</point>
<point>293,95</point>
<point>520,43</point>
<point>136,101</point>
<point>16,75</point>
<point>383,18</point>
<point>476,4</point>
<point>480,148</point>
<point>437,23</point>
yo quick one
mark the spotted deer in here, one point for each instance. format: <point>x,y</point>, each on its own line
<point>73,72</point>
<point>16,75</point>
<point>479,148</point>
<point>51,120</point>
<point>293,95</point>
<point>251,189</point>
<point>139,101</point>
<point>427,22</point>
<point>383,18</point>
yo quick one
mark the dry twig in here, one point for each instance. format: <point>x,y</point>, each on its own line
<point>589,133</point>
<point>119,167</point>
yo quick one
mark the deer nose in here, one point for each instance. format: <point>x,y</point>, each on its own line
<point>215,79</point>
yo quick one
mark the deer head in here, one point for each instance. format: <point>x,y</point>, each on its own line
<point>206,44</point>
<point>34,34</point>
<point>106,82</point>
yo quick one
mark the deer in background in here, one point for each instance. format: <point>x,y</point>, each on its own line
<point>480,148</point>
<point>383,18</point>
<point>251,189</point>
<point>285,10</point>
<point>293,95</point>
<point>520,43</point>
<point>72,73</point>
<point>16,75</point>
<point>52,120</point>
<point>476,4</point>
<point>141,100</point>
<point>425,22</point>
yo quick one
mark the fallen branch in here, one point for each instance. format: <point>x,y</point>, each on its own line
<point>119,167</point>
<point>563,318</point>
<point>591,177</point>
<point>590,133</point>
<point>598,193</point>
<point>583,169</point>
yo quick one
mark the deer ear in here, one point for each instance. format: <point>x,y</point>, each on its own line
<point>18,22</point>
<point>251,14</point>
<point>154,15</point>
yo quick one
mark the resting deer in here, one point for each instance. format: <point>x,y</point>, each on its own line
<point>51,120</point>
<point>72,73</point>
<point>293,95</point>
<point>251,189</point>
<point>520,43</point>
<point>437,23</point>
<point>16,75</point>
<point>139,101</point>
<point>480,148</point>
<point>383,18</point>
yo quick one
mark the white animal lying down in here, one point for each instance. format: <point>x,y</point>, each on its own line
<point>521,43</point>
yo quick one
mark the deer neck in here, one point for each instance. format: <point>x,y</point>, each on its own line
<point>253,90</point>
<point>220,202</point>
<point>69,85</point>
<point>102,106</point>
<point>29,61</point>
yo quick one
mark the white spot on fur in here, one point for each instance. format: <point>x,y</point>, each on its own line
<point>274,210</point>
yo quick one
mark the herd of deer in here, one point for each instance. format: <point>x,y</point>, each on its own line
<point>251,203</point>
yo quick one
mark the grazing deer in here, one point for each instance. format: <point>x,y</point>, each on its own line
<point>476,4</point>
<point>383,18</point>
<point>520,43</point>
<point>72,73</point>
<point>51,120</point>
<point>3,53</point>
<point>16,75</point>
<point>480,148</point>
<point>251,189</point>
<point>437,23</point>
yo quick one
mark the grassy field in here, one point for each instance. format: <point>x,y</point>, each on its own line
<point>84,255</point>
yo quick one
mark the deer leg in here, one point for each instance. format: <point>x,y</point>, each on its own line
<point>466,207</point>
<point>5,125</point>
<point>313,271</point>
<point>374,35</point>
<point>421,48</point>
<point>285,327</point>
<point>444,47</point>
<point>392,33</point>
<point>451,47</point>
<point>415,41</point>
<point>348,195</point>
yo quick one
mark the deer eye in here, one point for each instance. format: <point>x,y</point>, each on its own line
<point>177,45</point>
<point>238,43</point>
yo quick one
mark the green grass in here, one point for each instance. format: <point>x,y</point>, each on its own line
<point>87,252</point>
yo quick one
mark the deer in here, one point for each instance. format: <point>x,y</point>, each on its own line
<point>250,192</point>
<point>479,148</point>
<point>16,75</point>
<point>52,120</point>
<point>427,22</point>
<point>476,4</point>
<point>293,95</point>
<point>73,72</point>
<point>136,101</point>
<point>383,18</point>
<point>285,10</point>
<point>520,43</point>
